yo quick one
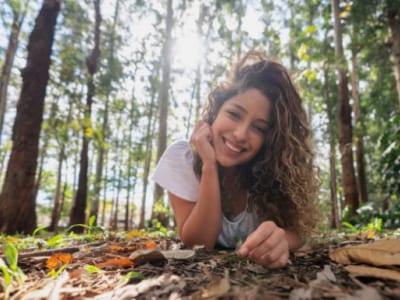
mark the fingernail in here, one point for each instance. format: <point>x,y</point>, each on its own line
<point>243,251</point>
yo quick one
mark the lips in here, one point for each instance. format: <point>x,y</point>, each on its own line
<point>234,148</point>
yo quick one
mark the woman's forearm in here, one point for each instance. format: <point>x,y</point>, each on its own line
<point>203,225</point>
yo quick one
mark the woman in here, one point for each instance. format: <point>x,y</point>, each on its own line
<point>248,173</point>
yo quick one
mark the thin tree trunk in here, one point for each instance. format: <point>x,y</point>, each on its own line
<point>129,167</point>
<point>332,155</point>
<point>103,210</point>
<point>239,30</point>
<point>344,119</point>
<point>17,202</point>
<point>116,176</point>
<point>57,198</point>
<point>43,150</point>
<point>94,208</point>
<point>394,34</point>
<point>117,196</point>
<point>18,18</point>
<point>358,132</point>
<point>148,151</point>
<point>77,215</point>
<point>164,89</point>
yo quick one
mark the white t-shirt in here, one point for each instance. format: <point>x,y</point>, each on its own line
<point>174,172</point>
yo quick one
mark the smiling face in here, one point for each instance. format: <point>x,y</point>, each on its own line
<point>239,129</point>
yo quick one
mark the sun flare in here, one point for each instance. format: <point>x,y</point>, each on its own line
<point>188,51</point>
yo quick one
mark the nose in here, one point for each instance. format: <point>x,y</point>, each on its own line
<point>240,133</point>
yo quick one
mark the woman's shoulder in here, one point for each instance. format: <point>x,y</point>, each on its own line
<point>174,171</point>
<point>179,150</point>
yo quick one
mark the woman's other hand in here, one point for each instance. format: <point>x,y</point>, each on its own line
<point>267,246</point>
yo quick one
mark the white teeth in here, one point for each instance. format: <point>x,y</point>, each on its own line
<point>233,148</point>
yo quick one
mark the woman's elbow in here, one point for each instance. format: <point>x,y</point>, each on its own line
<point>190,241</point>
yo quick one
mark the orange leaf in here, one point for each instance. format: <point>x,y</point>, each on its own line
<point>116,262</point>
<point>58,259</point>
<point>147,245</point>
<point>136,234</point>
<point>121,249</point>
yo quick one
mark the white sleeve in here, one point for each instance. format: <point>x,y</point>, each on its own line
<point>174,171</point>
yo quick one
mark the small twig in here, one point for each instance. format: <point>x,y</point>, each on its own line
<point>62,250</point>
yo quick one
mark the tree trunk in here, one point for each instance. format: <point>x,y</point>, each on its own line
<point>55,214</point>
<point>344,119</point>
<point>332,155</point>
<point>148,151</point>
<point>239,30</point>
<point>17,202</point>
<point>358,132</point>
<point>163,100</point>
<point>129,176</point>
<point>77,215</point>
<point>104,202</point>
<point>393,16</point>
<point>94,208</point>
<point>18,17</point>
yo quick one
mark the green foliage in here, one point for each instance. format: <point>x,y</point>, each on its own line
<point>370,217</point>
<point>11,271</point>
<point>91,229</point>
<point>92,269</point>
<point>132,277</point>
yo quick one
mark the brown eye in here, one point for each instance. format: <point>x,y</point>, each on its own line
<point>234,115</point>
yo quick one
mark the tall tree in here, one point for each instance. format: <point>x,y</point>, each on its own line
<point>77,215</point>
<point>19,9</point>
<point>17,202</point>
<point>163,97</point>
<point>153,79</point>
<point>107,85</point>
<point>358,131</point>
<point>393,16</point>
<point>344,118</point>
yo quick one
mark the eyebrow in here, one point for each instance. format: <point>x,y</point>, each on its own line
<point>245,111</point>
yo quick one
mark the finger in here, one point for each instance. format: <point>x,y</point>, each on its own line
<point>196,129</point>
<point>277,263</point>
<point>261,234</point>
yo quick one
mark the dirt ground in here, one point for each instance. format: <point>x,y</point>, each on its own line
<point>163,269</point>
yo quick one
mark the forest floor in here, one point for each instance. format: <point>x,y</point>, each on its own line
<point>137,266</point>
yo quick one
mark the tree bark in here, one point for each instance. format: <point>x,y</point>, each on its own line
<point>344,119</point>
<point>163,100</point>
<point>358,132</point>
<point>17,201</point>
<point>393,16</point>
<point>334,221</point>
<point>77,215</point>
<point>55,214</point>
<point>148,151</point>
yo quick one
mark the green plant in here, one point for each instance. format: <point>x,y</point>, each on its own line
<point>10,269</point>
<point>90,228</point>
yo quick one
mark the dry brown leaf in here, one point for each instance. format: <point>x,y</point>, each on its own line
<point>179,254</point>
<point>57,260</point>
<point>218,288</point>
<point>141,257</point>
<point>373,272</point>
<point>379,253</point>
<point>116,262</point>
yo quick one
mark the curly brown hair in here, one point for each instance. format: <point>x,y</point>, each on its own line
<point>282,179</point>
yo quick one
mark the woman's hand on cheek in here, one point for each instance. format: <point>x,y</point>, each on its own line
<point>267,246</point>
<point>200,140</point>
